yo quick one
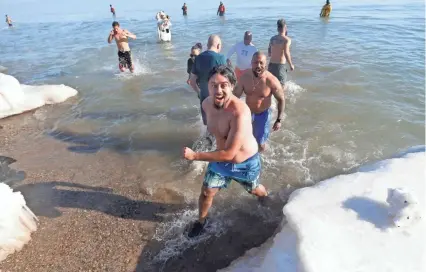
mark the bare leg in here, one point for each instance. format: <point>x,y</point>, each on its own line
<point>121,67</point>
<point>205,202</point>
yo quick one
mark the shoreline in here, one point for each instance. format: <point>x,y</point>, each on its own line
<point>105,217</point>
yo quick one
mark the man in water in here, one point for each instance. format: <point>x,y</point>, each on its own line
<point>236,157</point>
<point>121,38</point>
<point>326,9</point>
<point>8,21</point>
<point>259,85</point>
<point>245,51</point>
<point>184,9</point>
<point>279,52</point>
<point>202,66</point>
<point>112,10</point>
<point>221,9</point>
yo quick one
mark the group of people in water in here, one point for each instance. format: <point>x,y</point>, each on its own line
<point>220,9</point>
<point>240,129</point>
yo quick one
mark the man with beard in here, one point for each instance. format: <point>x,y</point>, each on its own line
<point>259,85</point>
<point>236,157</point>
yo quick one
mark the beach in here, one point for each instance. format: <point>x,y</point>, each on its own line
<point>104,172</point>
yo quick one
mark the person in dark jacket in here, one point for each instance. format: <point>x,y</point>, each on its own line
<point>195,51</point>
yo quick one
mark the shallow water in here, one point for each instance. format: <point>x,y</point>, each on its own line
<point>357,94</point>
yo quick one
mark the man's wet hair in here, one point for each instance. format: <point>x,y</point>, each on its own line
<point>115,23</point>
<point>225,71</point>
<point>281,23</point>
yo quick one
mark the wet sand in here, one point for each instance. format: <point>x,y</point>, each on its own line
<point>97,211</point>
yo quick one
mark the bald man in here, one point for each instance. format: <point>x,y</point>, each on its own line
<point>202,66</point>
<point>259,85</point>
<point>245,51</point>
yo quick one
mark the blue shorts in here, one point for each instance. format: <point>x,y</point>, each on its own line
<point>247,173</point>
<point>261,128</point>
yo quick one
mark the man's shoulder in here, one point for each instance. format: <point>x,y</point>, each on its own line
<point>241,108</point>
<point>207,102</point>
<point>220,58</point>
<point>271,80</point>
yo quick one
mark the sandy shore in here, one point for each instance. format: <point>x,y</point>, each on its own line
<point>98,213</point>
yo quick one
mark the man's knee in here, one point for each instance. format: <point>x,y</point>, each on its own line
<point>209,192</point>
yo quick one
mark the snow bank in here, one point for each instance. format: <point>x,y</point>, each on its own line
<point>16,98</point>
<point>16,221</point>
<point>352,223</point>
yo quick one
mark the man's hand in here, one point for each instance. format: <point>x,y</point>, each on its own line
<point>188,82</point>
<point>277,125</point>
<point>188,153</point>
<point>111,33</point>
<point>292,67</point>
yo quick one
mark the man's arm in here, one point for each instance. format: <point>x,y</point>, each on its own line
<point>269,48</point>
<point>110,37</point>
<point>239,89</point>
<point>233,143</point>
<point>230,53</point>
<point>193,82</point>
<point>287,53</point>
<point>278,93</point>
<point>129,34</point>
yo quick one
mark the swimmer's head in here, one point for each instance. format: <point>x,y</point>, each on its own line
<point>281,26</point>
<point>222,81</point>
<point>196,50</point>
<point>214,43</point>
<point>110,5</point>
<point>258,63</point>
<point>247,37</point>
<point>115,26</point>
<point>328,2</point>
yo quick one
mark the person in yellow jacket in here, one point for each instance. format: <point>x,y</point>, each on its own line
<point>326,9</point>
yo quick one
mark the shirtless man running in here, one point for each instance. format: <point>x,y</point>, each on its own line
<point>236,157</point>
<point>259,85</point>
<point>279,52</point>
<point>121,38</point>
<point>8,21</point>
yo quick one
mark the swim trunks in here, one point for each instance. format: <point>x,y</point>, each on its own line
<point>261,125</point>
<point>247,173</point>
<point>279,71</point>
<point>125,59</point>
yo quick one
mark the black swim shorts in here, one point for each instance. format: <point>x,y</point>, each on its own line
<point>125,59</point>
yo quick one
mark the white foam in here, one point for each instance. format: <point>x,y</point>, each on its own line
<point>292,91</point>
<point>17,222</point>
<point>17,98</point>
<point>139,69</point>
<point>173,233</point>
<point>343,224</point>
